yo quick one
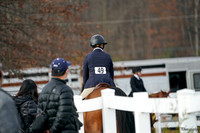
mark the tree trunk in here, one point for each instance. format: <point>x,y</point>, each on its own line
<point>196,27</point>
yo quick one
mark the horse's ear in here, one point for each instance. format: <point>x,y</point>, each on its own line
<point>168,92</point>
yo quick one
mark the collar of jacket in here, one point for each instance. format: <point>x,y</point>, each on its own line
<point>97,48</point>
<point>137,76</point>
<point>59,80</point>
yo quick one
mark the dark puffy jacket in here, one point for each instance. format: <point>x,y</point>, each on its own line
<point>27,108</point>
<point>61,111</point>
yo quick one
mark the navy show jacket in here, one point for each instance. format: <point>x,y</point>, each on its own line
<point>97,68</point>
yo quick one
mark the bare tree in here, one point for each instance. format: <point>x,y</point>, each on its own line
<point>196,27</point>
<point>32,33</point>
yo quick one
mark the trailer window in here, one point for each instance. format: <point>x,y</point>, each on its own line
<point>177,80</point>
<point>196,78</point>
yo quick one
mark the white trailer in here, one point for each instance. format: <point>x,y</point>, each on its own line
<point>161,74</point>
<point>41,76</point>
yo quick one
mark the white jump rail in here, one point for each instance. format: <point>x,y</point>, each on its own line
<point>185,105</point>
<point>103,102</point>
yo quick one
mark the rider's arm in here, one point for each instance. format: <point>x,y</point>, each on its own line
<point>111,69</point>
<point>133,85</point>
<point>85,71</point>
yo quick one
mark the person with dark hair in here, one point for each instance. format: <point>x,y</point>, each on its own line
<point>57,98</point>
<point>98,65</point>
<point>26,101</point>
<point>136,82</point>
<point>9,122</point>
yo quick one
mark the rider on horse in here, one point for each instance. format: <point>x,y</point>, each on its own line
<point>98,65</point>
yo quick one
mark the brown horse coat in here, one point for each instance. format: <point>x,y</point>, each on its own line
<point>93,120</point>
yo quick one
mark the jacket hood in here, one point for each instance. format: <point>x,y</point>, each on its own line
<point>19,100</point>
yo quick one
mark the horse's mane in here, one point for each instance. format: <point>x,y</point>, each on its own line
<point>125,119</point>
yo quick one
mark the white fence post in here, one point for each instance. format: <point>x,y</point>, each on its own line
<point>187,121</point>
<point>142,120</point>
<point>78,101</point>
<point>109,115</point>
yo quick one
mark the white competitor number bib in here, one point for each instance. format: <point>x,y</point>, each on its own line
<point>100,70</point>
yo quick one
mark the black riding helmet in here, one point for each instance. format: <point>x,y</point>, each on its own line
<point>136,69</point>
<point>97,40</point>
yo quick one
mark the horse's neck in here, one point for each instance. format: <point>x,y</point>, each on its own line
<point>159,94</point>
<point>100,85</point>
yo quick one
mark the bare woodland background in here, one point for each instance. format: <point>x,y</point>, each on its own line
<point>33,33</point>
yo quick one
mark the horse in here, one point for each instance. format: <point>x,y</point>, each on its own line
<point>93,120</point>
<point>160,94</point>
